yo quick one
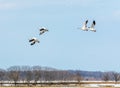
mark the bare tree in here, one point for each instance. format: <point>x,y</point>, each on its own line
<point>36,73</point>
<point>64,75</point>
<point>78,77</point>
<point>14,76</point>
<point>116,76</point>
<point>28,77</point>
<point>28,74</point>
<point>106,76</point>
<point>13,73</point>
<point>2,74</point>
<point>46,75</point>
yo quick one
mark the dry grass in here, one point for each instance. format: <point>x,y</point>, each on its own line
<point>61,87</point>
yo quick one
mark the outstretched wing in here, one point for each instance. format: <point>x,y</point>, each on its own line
<point>31,40</point>
<point>86,21</point>
<point>93,24</point>
<point>42,29</point>
<point>85,24</point>
<point>32,43</point>
<point>41,32</point>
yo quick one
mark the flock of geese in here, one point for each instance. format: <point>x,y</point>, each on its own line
<point>84,28</point>
<point>34,39</point>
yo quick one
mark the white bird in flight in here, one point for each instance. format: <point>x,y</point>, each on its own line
<point>33,41</point>
<point>42,30</point>
<point>84,27</point>
<point>92,26</point>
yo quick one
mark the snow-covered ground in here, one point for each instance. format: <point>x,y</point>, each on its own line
<point>102,85</point>
<point>92,84</point>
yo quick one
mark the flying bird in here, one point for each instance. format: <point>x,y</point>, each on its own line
<point>43,30</point>
<point>92,26</point>
<point>84,27</point>
<point>33,41</point>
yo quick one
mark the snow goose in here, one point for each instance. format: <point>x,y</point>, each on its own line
<point>92,26</point>
<point>42,30</point>
<point>33,41</point>
<point>84,27</point>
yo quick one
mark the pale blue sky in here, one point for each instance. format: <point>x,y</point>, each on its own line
<point>64,46</point>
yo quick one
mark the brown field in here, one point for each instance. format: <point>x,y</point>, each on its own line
<point>61,87</point>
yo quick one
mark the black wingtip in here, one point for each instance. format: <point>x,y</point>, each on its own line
<point>94,22</point>
<point>86,21</point>
<point>30,40</point>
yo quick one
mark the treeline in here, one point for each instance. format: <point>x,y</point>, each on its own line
<point>39,74</point>
<point>36,74</point>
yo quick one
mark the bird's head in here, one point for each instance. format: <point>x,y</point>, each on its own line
<point>46,29</point>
